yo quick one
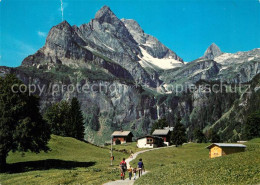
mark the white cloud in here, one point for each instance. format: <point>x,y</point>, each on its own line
<point>42,34</point>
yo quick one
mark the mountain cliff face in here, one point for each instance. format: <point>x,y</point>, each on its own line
<point>105,38</point>
<point>131,78</point>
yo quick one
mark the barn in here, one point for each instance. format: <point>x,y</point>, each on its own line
<point>221,149</point>
<point>149,142</point>
<point>122,136</point>
<point>163,133</point>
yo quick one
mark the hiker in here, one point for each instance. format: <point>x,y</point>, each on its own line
<point>123,168</point>
<point>140,167</point>
<point>130,172</point>
<point>131,154</point>
<point>134,171</point>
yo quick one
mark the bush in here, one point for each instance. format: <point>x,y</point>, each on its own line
<point>118,142</point>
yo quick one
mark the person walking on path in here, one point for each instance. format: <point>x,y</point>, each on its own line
<point>140,167</point>
<point>123,168</point>
<point>130,171</point>
<point>134,171</point>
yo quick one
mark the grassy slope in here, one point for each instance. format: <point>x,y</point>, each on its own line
<point>72,162</point>
<point>127,148</point>
<point>172,155</point>
<point>190,165</point>
<point>75,162</point>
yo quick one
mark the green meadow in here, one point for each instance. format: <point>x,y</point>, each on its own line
<point>190,164</point>
<point>68,162</point>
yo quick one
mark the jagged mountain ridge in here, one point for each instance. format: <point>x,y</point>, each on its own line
<point>104,37</point>
<point>215,65</point>
<point>122,44</point>
<point>118,53</point>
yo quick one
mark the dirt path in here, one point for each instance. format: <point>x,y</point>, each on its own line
<point>128,160</point>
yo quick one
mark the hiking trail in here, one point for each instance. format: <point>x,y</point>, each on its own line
<point>128,160</point>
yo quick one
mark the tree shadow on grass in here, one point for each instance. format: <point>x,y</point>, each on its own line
<point>46,165</point>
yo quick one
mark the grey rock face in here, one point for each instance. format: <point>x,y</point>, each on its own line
<point>107,51</point>
<point>212,52</point>
<point>115,104</point>
<point>191,72</point>
<point>239,67</point>
<point>105,37</point>
<point>152,45</point>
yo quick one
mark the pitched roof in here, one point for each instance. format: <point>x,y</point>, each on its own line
<point>161,132</point>
<point>226,145</point>
<point>121,133</point>
<point>156,137</point>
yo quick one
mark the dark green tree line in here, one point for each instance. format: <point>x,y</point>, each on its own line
<point>178,136</point>
<point>160,124</point>
<point>199,136</point>
<point>66,119</point>
<point>252,126</point>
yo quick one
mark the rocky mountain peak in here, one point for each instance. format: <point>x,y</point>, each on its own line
<point>132,25</point>
<point>151,47</point>
<point>212,52</point>
<point>62,25</point>
<point>58,32</point>
<point>105,14</point>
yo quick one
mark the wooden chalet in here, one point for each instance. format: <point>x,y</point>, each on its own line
<point>149,142</point>
<point>122,136</point>
<point>165,134</point>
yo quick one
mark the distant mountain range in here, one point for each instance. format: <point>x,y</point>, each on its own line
<point>118,53</point>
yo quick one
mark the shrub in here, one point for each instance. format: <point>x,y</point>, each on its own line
<point>118,142</point>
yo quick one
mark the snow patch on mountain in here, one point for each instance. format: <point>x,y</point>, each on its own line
<point>223,58</point>
<point>237,58</point>
<point>163,63</point>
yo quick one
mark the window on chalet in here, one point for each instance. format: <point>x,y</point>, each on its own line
<point>149,141</point>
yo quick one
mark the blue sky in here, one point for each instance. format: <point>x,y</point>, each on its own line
<point>187,27</point>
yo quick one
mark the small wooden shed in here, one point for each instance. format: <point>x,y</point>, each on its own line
<point>221,149</point>
<point>122,136</point>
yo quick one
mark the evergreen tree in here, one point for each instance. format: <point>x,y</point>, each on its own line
<point>160,124</point>
<point>118,142</point>
<point>199,136</point>
<point>58,117</point>
<point>252,127</point>
<point>21,125</point>
<point>77,120</point>
<point>178,136</point>
<point>66,119</point>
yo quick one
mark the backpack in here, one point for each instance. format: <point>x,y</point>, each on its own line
<point>123,165</point>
